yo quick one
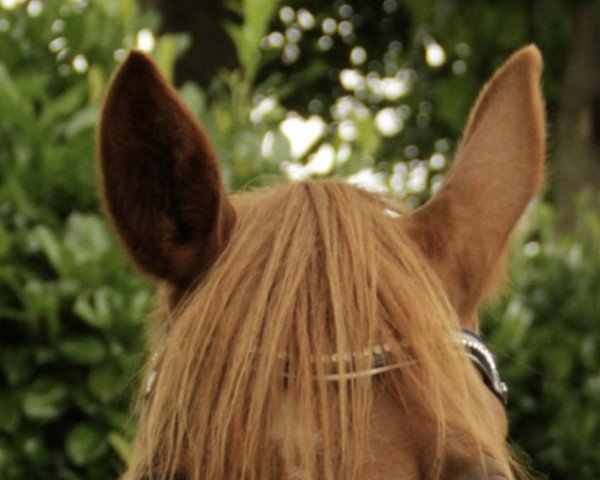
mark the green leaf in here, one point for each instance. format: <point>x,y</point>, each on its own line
<point>85,443</point>
<point>194,98</point>
<point>121,445</point>
<point>49,244</point>
<point>63,105</point>
<point>7,454</point>
<point>168,48</point>
<point>106,382</point>
<point>84,350</point>
<point>68,474</point>
<point>96,83</point>
<point>44,400</point>
<point>95,311</point>
<point>86,238</point>
<point>10,414</point>
<point>4,241</point>
<point>17,364</point>
<point>13,104</point>
<point>83,120</point>
<point>455,96</point>
<point>35,450</point>
<point>281,151</point>
<point>257,16</point>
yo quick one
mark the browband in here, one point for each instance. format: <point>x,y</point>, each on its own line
<point>475,346</point>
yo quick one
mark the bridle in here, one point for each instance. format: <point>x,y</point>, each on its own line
<point>484,360</point>
<point>476,348</point>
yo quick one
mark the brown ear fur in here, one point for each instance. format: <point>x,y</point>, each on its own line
<point>160,178</point>
<point>465,229</point>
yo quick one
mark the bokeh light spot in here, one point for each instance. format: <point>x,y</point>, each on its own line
<point>302,134</point>
<point>394,88</point>
<point>388,122</point>
<point>437,161</point>
<point>345,28</point>
<point>120,54</point>
<point>57,44</point>
<point>286,14</point>
<point>347,131</point>
<point>459,67</point>
<point>343,154</point>
<point>325,42</point>
<point>10,4</point>
<point>145,40</point>
<point>323,160</point>
<point>442,145</point>
<point>417,180</point>
<point>306,19</point>
<point>462,49</point>
<point>351,79</point>
<point>34,8</point>
<point>390,6</point>
<point>291,53</point>
<point>369,180</point>
<point>267,144</point>
<point>58,26</point>
<point>435,56</point>
<point>345,10</point>
<point>80,63</point>
<point>263,108</point>
<point>532,249</point>
<point>329,26</point>
<point>276,39</point>
<point>358,56</point>
<point>293,34</point>
<point>63,55</point>
<point>411,151</point>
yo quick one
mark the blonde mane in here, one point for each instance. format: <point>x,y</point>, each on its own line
<point>310,270</point>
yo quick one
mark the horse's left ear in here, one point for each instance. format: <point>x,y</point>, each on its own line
<point>464,229</point>
<point>160,177</point>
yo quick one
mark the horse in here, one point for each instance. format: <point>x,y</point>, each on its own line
<point>313,330</point>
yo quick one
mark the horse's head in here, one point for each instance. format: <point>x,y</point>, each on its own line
<point>308,333</point>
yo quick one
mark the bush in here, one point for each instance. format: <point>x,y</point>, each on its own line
<point>548,337</point>
<point>70,309</point>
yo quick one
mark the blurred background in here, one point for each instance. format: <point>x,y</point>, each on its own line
<point>376,92</point>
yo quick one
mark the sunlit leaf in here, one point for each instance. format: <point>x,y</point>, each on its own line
<point>105,381</point>
<point>121,445</point>
<point>85,443</point>
<point>84,350</point>
<point>44,400</point>
<point>167,50</point>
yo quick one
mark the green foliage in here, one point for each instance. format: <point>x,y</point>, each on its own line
<point>256,17</point>
<point>70,310</point>
<point>548,339</point>
<point>410,70</point>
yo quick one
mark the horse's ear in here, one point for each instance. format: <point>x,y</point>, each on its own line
<point>160,177</point>
<point>464,229</point>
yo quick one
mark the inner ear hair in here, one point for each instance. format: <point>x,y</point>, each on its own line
<point>160,177</point>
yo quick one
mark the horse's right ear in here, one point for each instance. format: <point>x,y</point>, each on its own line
<point>160,177</point>
<point>464,229</point>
